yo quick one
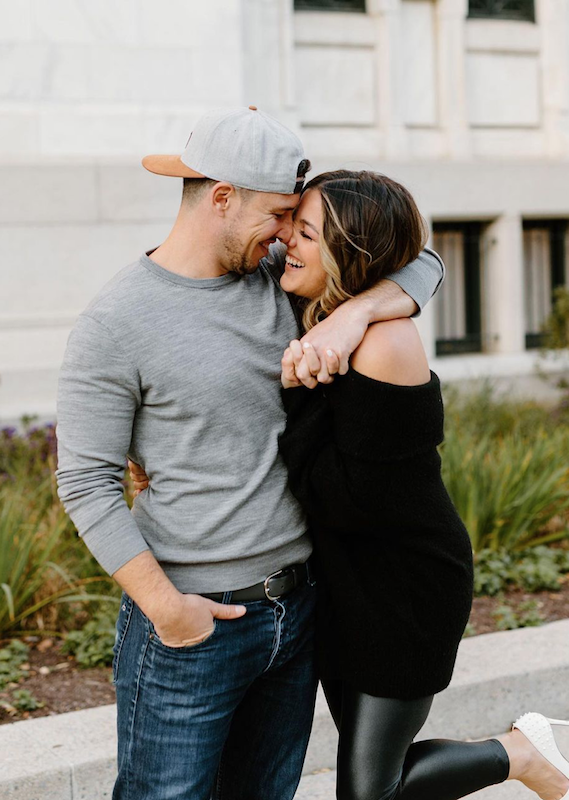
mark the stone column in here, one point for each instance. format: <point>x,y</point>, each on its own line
<point>553,19</point>
<point>503,285</point>
<point>451,48</point>
<point>386,15</point>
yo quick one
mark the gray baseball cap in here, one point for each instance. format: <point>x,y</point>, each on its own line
<point>242,146</point>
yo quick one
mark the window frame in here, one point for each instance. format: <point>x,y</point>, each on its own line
<point>471,342</point>
<point>349,6</point>
<point>493,12</point>
<point>559,264</point>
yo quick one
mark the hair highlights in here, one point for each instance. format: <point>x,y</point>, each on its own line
<point>371,228</point>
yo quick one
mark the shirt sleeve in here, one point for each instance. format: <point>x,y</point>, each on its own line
<point>421,278</point>
<point>98,395</point>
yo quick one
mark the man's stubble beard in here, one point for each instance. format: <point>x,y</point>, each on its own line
<point>234,259</point>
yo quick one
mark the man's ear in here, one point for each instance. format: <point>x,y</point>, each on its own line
<point>223,197</point>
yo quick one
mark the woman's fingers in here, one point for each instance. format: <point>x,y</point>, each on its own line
<point>306,363</point>
<point>288,376</point>
<point>328,367</point>
<point>312,360</point>
<point>333,361</point>
<point>297,352</point>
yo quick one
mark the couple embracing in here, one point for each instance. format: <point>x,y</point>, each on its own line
<point>260,370</point>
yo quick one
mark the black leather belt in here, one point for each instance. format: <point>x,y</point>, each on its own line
<point>276,585</point>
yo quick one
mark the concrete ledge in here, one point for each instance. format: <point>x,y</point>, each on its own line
<point>497,677</point>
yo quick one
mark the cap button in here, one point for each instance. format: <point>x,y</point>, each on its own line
<point>253,108</point>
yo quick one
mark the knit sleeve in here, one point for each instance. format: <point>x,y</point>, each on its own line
<point>97,400</point>
<point>349,448</point>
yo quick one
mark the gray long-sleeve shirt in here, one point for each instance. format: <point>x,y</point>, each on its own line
<point>183,375</point>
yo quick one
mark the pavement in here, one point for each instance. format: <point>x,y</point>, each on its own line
<point>498,676</point>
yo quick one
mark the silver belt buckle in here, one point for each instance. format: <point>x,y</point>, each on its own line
<point>266,583</point>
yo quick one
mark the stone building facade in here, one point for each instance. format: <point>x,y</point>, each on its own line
<point>465,101</point>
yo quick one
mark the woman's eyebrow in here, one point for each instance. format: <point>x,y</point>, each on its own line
<point>310,225</point>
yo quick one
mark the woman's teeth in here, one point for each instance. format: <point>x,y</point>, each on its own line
<point>292,262</point>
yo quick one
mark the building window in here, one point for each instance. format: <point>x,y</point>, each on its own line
<point>329,5</point>
<point>458,309</point>
<point>502,9</point>
<point>546,250</point>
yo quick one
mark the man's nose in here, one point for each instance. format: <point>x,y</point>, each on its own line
<point>286,233</point>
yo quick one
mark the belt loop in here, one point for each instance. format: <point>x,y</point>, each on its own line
<point>226,598</point>
<point>309,570</point>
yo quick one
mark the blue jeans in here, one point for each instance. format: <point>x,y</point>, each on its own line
<point>228,718</point>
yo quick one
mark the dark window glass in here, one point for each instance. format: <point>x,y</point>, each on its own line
<point>546,250</point>
<point>502,9</point>
<point>458,310</point>
<point>329,5</point>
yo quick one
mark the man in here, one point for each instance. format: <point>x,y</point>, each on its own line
<point>176,363</point>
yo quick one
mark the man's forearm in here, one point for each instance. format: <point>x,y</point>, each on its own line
<point>386,300</point>
<point>144,580</point>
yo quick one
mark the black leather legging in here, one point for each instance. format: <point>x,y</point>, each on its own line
<point>377,759</point>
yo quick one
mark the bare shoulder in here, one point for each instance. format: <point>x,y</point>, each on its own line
<point>392,351</point>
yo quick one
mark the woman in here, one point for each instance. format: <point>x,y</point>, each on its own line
<point>394,559</point>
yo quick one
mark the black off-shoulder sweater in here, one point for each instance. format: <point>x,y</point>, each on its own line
<point>393,558</point>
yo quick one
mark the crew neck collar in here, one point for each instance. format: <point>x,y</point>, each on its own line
<point>182,280</point>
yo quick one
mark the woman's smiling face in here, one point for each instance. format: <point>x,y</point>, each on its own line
<point>304,274</point>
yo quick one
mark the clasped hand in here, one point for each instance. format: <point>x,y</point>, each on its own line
<point>301,366</point>
<point>325,350</point>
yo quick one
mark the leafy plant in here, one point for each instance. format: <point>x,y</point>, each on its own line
<point>507,490</point>
<point>556,327</point>
<point>527,616</point>
<point>23,700</point>
<point>537,569</point>
<point>32,528</point>
<point>11,658</point>
<point>92,646</point>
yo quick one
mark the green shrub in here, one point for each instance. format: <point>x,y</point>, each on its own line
<point>32,531</point>
<point>45,569</point>
<point>23,700</point>
<point>556,327</point>
<point>537,569</point>
<point>92,646</point>
<point>508,489</point>
<point>11,658</point>
<point>485,412</point>
<point>527,616</point>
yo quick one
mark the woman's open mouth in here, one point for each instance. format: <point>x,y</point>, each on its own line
<point>294,263</point>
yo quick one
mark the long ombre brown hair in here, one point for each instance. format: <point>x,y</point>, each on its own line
<point>371,228</point>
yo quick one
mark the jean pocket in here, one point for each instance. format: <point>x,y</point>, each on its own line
<point>187,648</point>
<point>123,620</point>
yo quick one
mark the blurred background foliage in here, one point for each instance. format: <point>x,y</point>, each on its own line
<point>49,582</point>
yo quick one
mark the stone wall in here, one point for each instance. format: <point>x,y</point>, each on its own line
<point>470,114</point>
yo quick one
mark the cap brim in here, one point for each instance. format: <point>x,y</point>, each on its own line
<point>172,166</point>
